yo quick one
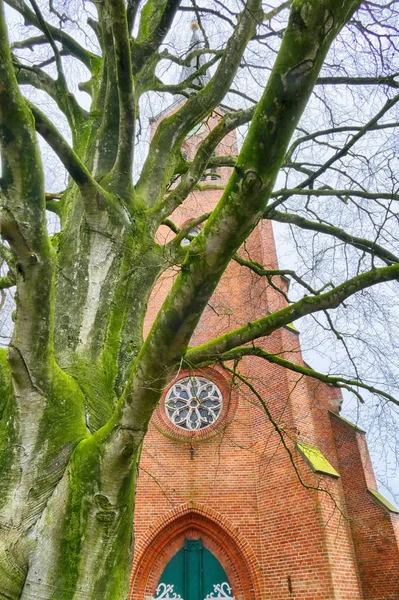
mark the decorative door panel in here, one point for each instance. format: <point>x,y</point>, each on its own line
<point>194,573</point>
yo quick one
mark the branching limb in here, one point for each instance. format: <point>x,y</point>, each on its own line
<point>210,186</point>
<point>184,232</point>
<point>361,243</point>
<point>63,97</point>
<point>190,82</point>
<point>332,131</point>
<point>89,59</point>
<point>282,435</point>
<point>175,252</point>
<point>276,11</point>
<point>68,157</point>
<point>172,226</point>
<point>225,161</point>
<point>388,80</point>
<point>156,18</point>
<point>319,192</point>
<point>44,27</point>
<point>203,158</point>
<point>66,101</point>
<point>341,339</point>
<point>270,273</point>
<point>337,381</point>
<point>29,43</point>
<point>187,59</point>
<point>214,161</point>
<point>241,206</point>
<point>209,11</point>
<point>307,305</point>
<point>159,165</point>
<point>106,102</point>
<point>23,220</point>
<point>345,149</point>
<point>122,169</point>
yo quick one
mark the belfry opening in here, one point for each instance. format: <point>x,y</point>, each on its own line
<point>253,487</point>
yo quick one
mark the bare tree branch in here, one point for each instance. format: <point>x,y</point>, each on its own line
<point>66,101</point>
<point>122,169</point>
<point>68,157</point>
<point>352,385</point>
<point>23,225</point>
<point>156,18</point>
<point>89,59</point>
<point>389,80</point>
<point>203,156</point>
<point>361,243</point>
<point>345,149</point>
<point>172,130</point>
<point>285,316</point>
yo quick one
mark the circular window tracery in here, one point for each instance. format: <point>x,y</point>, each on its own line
<point>193,233</point>
<point>193,403</point>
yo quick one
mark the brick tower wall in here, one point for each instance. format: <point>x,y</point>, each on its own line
<point>375,530</point>
<point>280,531</point>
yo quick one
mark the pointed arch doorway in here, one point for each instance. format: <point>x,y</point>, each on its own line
<point>193,573</point>
<point>157,546</point>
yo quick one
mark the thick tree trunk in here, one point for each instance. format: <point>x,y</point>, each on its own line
<point>79,383</point>
<point>67,505</point>
<point>83,546</point>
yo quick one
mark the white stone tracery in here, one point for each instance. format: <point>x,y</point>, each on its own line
<point>193,403</point>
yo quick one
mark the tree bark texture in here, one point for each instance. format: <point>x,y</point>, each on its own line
<point>78,382</point>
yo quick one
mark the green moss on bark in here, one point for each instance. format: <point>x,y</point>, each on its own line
<point>8,433</point>
<point>96,523</point>
<point>64,417</point>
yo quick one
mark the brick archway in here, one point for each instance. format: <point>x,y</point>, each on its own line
<point>192,521</point>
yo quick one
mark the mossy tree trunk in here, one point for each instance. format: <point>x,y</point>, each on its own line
<point>78,383</point>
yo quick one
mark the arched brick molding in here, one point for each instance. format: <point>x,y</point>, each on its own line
<point>165,537</point>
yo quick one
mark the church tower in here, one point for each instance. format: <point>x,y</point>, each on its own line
<point>252,486</point>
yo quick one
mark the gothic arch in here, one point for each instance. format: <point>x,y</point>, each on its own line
<point>165,537</point>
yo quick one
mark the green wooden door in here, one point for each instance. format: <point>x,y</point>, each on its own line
<point>194,573</point>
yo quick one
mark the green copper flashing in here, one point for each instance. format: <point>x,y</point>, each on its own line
<point>346,421</point>
<point>316,460</point>
<point>381,500</point>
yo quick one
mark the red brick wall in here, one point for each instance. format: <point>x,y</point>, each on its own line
<point>306,542</point>
<point>374,528</point>
<point>276,537</point>
<point>193,521</point>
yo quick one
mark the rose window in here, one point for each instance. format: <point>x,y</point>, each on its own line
<point>193,403</point>
<point>193,233</point>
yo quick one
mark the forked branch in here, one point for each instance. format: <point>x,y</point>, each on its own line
<point>159,166</point>
<point>363,244</point>
<point>306,306</point>
<point>89,59</point>
<point>122,169</point>
<point>68,157</point>
<point>337,381</point>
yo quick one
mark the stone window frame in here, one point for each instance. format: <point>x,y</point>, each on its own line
<point>230,403</point>
<point>200,411</point>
